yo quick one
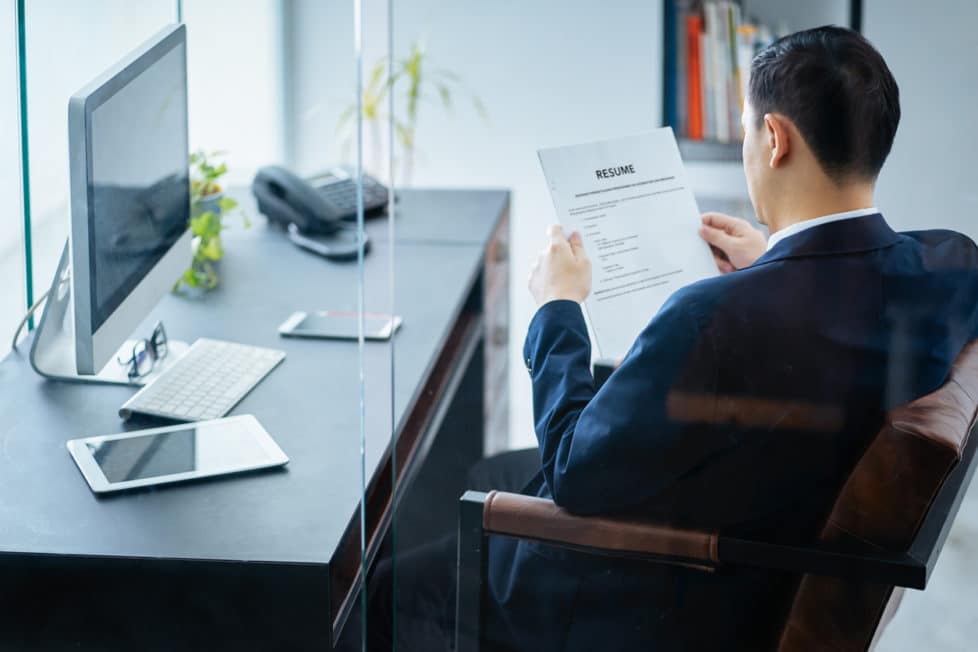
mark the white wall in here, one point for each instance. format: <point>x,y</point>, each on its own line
<point>235,82</point>
<point>931,177</point>
<point>323,80</point>
<point>783,16</point>
<point>323,75</point>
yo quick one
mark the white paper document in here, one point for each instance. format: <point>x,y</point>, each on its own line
<point>630,200</point>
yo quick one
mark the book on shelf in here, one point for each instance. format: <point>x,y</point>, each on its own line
<point>682,117</point>
<point>694,89</point>
<point>709,48</point>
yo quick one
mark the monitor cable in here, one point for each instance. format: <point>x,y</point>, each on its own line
<point>30,313</point>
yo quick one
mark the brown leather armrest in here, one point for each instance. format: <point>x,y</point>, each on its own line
<point>528,517</point>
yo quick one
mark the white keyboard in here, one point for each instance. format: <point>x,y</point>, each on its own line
<point>205,383</point>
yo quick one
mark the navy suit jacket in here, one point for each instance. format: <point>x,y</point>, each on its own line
<point>741,407</point>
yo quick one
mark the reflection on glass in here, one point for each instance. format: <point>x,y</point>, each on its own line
<point>16,293</point>
<point>148,456</point>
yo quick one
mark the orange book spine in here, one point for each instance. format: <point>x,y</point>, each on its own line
<point>694,83</point>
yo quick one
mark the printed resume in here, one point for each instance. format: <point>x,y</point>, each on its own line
<point>631,202</point>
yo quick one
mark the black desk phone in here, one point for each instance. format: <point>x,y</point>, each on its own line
<point>317,213</point>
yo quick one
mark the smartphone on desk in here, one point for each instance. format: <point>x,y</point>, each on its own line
<point>339,325</point>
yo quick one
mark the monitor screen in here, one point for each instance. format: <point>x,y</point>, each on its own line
<point>139,197</point>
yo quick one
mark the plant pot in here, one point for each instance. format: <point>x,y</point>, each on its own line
<point>210,203</point>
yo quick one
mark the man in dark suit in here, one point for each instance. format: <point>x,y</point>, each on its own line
<point>748,398</point>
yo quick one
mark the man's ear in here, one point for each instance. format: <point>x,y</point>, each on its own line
<point>776,132</point>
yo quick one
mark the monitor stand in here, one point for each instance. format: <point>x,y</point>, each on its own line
<point>53,349</point>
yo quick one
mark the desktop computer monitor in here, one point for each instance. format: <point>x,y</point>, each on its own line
<point>130,195</point>
<point>129,243</point>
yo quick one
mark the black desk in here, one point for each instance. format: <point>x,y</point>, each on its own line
<point>269,560</point>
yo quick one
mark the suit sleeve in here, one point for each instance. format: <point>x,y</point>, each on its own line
<point>648,426</point>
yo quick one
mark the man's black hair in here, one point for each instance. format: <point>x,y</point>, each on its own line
<point>837,90</point>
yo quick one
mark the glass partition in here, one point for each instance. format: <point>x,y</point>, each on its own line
<point>495,84</point>
<point>13,296</point>
<point>669,403</point>
<point>283,220</point>
<point>486,97</point>
<point>337,137</point>
<point>381,329</point>
<point>61,59</point>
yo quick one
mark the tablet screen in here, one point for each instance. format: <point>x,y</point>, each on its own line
<point>176,451</point>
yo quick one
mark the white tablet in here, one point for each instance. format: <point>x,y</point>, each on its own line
<point>175,453</point>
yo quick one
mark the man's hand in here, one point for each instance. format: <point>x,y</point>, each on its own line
<point>735,243</point>
<point>563,270</point>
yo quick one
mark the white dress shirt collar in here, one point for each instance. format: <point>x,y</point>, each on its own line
<point>798,227</point>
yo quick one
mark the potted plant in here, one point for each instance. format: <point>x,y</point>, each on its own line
<point>208,207</point>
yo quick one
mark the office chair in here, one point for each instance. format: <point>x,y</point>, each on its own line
<point>885,531</point>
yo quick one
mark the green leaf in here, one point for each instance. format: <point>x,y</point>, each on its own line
<point>190,278</point>
<point>206,225</point>
<point>377,73</point>
<point>346,116</point>
<point>227,204</point>
<point>211,249</point>
<point>393,77</point>
<point>205,171</point>
<point>480,108</point>
<point>199,223</point>
<point>446,96</point>
<point>405,134</point>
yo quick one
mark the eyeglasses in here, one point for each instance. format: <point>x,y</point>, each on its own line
<point>146,353</point>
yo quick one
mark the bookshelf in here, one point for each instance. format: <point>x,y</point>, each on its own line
<point>770,18</point>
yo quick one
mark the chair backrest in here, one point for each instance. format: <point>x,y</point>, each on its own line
<point>880,508</point>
